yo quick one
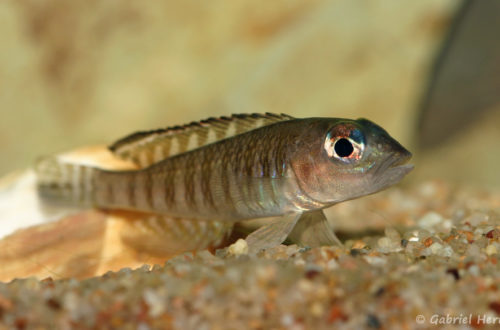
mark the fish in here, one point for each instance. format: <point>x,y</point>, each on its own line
<point>216,172</point>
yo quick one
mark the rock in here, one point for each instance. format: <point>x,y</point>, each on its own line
<point>238,248</point>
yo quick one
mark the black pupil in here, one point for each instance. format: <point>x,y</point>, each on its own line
<point>343,147</point>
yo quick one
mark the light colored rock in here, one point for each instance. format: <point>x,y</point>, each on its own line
<point>491,250</point>
<point>430,220</point>
<point>238,248</point>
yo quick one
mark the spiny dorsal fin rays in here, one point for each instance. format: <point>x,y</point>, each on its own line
<point>149,147</point>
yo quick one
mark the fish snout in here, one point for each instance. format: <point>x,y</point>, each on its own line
<point>401,157</point>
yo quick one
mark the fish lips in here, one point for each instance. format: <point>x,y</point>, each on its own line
<point>393,169</point>
<point>400,158</point>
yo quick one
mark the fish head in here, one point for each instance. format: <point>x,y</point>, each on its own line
<point>342,159</point>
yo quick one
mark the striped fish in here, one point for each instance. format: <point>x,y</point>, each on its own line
<point>229,169</point>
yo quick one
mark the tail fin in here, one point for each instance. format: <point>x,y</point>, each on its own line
<point>65,183</point>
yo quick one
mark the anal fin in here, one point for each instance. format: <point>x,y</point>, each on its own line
<point>161,235</point>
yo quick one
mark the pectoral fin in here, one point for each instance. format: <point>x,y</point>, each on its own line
<point>272,234</point>
<point>313,229</point>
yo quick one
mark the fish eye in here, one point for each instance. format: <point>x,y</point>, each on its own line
<point>346,146</point>
<point>343,147</point>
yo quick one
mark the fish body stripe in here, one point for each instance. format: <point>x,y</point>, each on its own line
<point>189,190</point>
<point>205,179</point>
<point>148,190</point>
<point>169,187</point>
<point>225,182</point>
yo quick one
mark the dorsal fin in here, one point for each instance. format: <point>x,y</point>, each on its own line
<point>149,147</point>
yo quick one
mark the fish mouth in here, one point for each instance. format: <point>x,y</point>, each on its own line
<point>399,158</point>
<point>396,160</point>
<point>393,169</point>
<point>402,169</point>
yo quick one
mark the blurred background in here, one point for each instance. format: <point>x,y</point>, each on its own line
<point>82,72</point>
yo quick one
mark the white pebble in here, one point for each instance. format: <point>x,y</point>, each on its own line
<point>287,320</point>
<point>491,249</point>
<point>427,189</point>
<point>143,326</point>
<point>155,302</point>
<point>446,252</point>
<point>477,218</point>
<point>305,286</point>
<point>384,242</point>
<point>447,225</point>
<point>71,302</point>
<point>332,264</point>
<point>426,252</point>
<point>387,245</point>
<point>429,220</point>
<point>474,270</point>
<point>238,248</point>
<point>375,261</point>
<point>317,309</point>
<point>436,248</point>
<point>473,251</point>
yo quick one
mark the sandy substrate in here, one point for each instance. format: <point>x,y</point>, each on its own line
<point>431,259</point>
